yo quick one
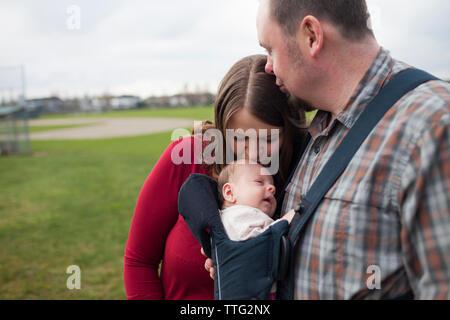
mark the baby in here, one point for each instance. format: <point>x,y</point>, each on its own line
<point>247,197</point>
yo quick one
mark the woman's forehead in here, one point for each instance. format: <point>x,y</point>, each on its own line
<point>243,119</point>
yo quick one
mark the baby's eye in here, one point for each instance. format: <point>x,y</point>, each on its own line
<point>259,182</point>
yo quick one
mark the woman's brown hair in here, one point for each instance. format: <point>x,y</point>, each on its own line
<point>247,85</point>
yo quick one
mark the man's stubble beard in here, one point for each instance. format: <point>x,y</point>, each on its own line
<point>297,60</point>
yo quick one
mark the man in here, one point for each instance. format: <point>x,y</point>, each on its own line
<point>383,229</point>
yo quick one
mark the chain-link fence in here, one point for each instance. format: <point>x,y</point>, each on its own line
<point>14,131</point>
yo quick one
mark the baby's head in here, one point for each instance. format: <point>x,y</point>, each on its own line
<point>243,183</point>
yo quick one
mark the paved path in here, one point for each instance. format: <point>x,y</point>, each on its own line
<point>99,128</point>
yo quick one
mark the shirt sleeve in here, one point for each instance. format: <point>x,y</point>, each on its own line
<point>425,213</point>
<point>155,214</point>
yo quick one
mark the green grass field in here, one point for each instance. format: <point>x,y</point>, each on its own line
<point>71,203</point>
<point>195,113</point>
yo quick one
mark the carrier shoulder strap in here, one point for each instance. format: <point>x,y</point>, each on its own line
<point>401,83</point>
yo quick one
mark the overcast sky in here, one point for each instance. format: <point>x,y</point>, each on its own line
<point>154,47</point>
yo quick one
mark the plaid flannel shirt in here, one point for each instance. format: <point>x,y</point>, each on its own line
<point>387,218</point>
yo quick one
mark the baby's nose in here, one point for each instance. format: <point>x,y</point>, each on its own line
<point>271,188</point>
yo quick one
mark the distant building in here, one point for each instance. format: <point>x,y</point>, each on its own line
<point>46,105</point>
<point>181,100</point>
<point>108,102</point>
<point>86,105</point>
<point>52,105</point>
<point>178,100</point>
<point>156,102</point>
<point>125,102</point>
<point>102,103</point>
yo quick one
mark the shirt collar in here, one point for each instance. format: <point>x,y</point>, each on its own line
<point>367,89</point>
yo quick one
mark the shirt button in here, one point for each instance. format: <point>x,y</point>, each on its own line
<point>300,208</point>
<point>316,149</point>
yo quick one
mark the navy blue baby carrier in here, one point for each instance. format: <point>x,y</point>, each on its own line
<point>246,270</point>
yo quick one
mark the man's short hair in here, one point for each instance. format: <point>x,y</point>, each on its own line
<point>351,17</point>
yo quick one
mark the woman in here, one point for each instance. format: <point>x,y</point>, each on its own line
<point>247,98</point>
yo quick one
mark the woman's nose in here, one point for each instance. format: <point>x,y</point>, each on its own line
<point>251,152</point>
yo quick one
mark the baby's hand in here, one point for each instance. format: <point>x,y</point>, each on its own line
<point>289,216</point>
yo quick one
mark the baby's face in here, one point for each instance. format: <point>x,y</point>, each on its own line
<point>252,186</point>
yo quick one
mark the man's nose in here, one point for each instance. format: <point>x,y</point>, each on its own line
<point>269,66</point>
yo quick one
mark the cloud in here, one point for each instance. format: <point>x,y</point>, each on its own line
<point>415,31</point>
<point>153,47</point>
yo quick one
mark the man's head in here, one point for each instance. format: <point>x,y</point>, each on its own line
<point>247,184</point>
<point>304,37</point>
<point>349,16</point>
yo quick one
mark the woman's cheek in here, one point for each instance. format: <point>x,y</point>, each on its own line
<point>269,149</point>
<point>276,146</point>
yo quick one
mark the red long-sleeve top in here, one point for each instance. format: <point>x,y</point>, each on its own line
<point>158,233</point>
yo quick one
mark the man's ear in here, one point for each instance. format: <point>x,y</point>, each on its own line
<point>227,192</point>
<point>310,36</point>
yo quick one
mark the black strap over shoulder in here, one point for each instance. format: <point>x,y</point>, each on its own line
<point>399,85</point>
